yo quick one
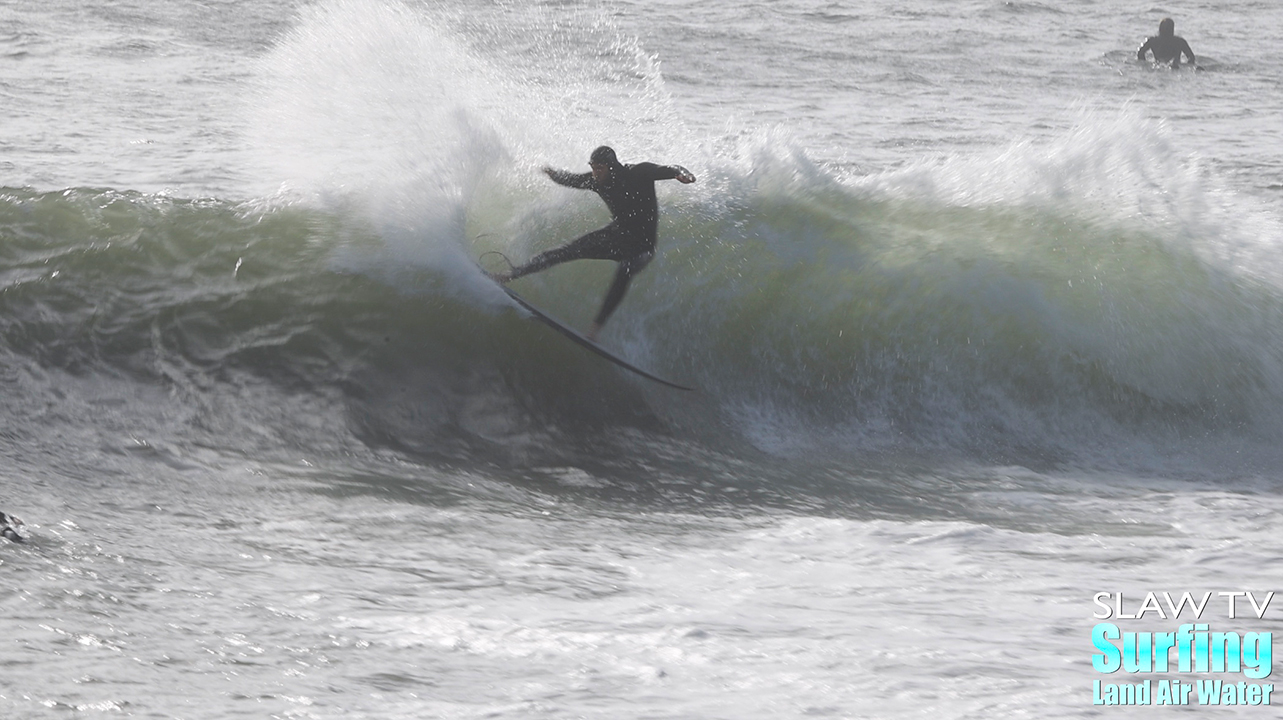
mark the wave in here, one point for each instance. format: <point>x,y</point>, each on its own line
<point>979,315</point>
<point>1099,299</point>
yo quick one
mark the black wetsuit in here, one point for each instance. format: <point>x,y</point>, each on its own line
<point>629,239</point>
<point>1167,49</point>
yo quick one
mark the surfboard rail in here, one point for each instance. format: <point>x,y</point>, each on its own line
<point>584,342</point>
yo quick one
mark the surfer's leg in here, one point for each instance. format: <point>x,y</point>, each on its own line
<point>628,267</point>
<point>597,245</point>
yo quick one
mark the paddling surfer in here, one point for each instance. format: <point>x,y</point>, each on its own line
<point>629,239</point>
<point>1167,46</point>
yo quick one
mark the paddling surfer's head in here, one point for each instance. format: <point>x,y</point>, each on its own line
<point>1167,27</point>
<point>603,162</point>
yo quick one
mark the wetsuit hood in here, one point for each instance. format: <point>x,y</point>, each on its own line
<point>604,155</point>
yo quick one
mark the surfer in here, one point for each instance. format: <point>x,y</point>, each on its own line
<point>1167,46</point>
<point>629,239</point>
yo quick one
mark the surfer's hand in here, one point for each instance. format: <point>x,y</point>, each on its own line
<point>685,176</point>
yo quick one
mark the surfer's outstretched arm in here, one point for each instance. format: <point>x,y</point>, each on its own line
<point>684,176</point>
<point>580,181</point>
<point>651,171</point>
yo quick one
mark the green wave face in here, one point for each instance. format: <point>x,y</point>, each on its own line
<point>809,314</point>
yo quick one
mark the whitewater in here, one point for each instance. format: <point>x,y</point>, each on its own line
<point>985,317</point>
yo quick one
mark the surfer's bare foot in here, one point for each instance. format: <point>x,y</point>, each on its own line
<point>501,278</point>
<point>593,331</point>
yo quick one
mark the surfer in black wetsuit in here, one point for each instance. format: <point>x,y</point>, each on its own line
<point>1167,46</point>
<point>629,193</point>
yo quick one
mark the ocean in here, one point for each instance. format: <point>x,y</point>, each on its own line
<point>985,320</point>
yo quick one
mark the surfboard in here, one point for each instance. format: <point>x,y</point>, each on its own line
<point>583,340</point>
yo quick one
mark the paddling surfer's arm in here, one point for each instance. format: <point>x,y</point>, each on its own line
<point>1188,52</point>
<point>1140,54</point>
